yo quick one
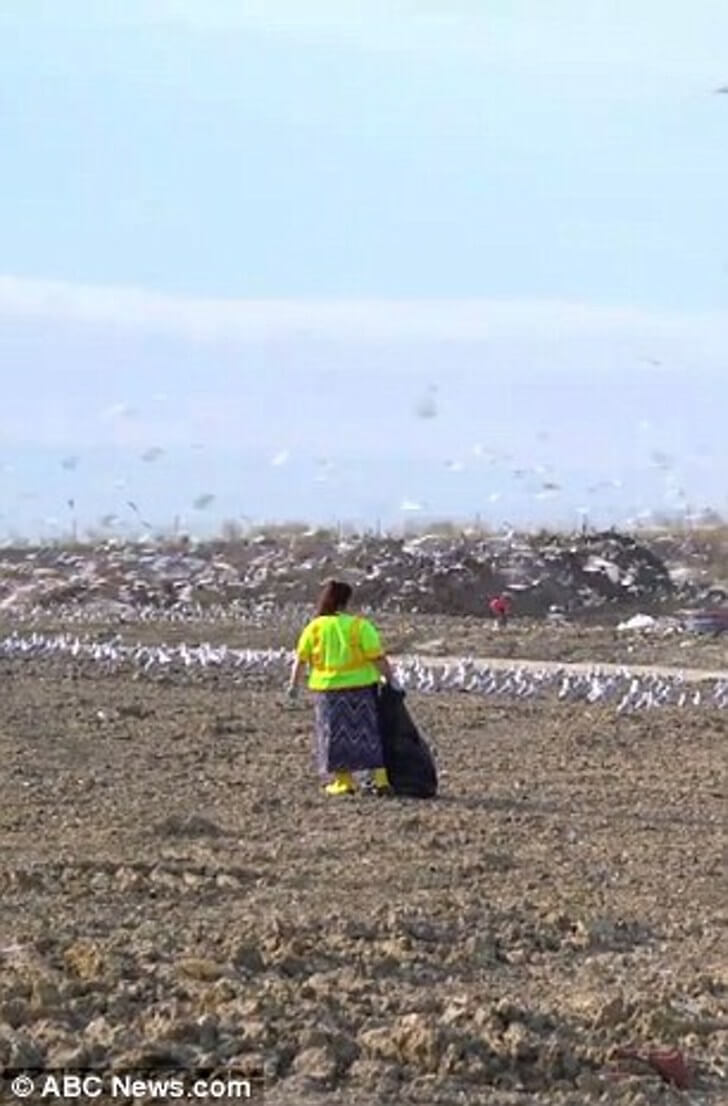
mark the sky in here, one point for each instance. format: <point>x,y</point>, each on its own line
<point>263,239</point>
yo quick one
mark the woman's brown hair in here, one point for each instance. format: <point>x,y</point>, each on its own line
<point>334,597</point>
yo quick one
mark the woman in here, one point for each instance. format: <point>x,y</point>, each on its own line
<point>346,662</point>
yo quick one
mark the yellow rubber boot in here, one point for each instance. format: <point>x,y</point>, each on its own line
<point>342,784</point>
<point>381,779</point>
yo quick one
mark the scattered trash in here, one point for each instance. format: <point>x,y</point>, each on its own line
<point>638,622</point>
<point>707,622</point>
<point>428,574</point>
<point>670,1066</point>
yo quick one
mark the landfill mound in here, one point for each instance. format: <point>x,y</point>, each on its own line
<point>427,574</point>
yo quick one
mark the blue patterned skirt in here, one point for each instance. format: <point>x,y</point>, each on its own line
<point>347,730</point>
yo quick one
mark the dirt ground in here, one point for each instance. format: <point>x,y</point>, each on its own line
<point>175,888</point>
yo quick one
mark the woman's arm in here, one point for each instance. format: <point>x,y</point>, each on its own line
<point>295,674</point>
<point>302,657</point>
<point>384,667</point>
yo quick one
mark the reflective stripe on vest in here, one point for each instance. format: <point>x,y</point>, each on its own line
<point>316,646</point>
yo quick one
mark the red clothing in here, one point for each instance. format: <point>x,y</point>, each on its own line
<point>500,605</point>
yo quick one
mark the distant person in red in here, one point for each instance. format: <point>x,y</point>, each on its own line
<point>500,608</point>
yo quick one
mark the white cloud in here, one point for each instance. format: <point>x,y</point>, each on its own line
<point>241,321</point>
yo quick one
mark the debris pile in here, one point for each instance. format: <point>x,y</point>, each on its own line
<point>429,574</point>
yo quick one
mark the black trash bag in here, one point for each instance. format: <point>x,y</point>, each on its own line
<point>407,757</point>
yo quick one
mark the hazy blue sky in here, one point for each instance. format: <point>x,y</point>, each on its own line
<point>269,227</point>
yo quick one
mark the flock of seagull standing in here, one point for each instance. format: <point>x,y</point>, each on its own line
<point>626,691</point>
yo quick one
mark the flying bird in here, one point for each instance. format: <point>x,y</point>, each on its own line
<point>153,454</point>
<point>130,503</point>
<point>120,411</point>
<point>426,408</point>
<point>69,463</point>
<point>203,501</point>
<point>280,458</point>
<point>660,460</point>
<point>324,469</point>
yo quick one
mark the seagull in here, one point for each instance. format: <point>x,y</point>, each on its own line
<point>325,467</point>
<point>426,408</point>
<point>133,507</point>
<point>661,460</point>
<point>280,458</point>
<point>152,454</point>
<point>203,501</point>
<point>634,694</point>
<point>120,411</point>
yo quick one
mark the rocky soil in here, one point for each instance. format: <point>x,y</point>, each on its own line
<point>174,887</point>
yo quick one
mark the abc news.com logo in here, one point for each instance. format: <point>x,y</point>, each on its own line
<point>86,1085</point>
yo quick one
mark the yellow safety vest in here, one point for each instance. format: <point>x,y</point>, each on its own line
<point>336,652</point>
